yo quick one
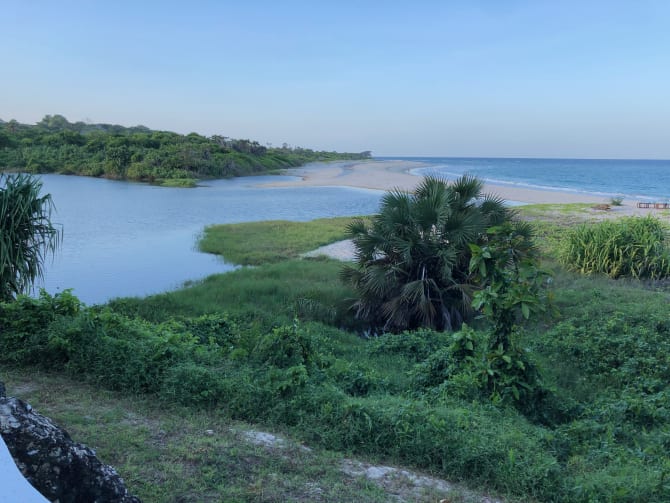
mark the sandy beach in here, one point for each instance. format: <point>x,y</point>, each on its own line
<point>387,175</point>
<point>396,174</point>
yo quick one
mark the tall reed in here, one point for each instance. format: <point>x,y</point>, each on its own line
<point>629,247</point>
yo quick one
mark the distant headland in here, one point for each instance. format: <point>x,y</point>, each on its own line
<point>55,145</point>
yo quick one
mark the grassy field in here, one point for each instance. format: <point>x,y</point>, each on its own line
<point>266,345</point>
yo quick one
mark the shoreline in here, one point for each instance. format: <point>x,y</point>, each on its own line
<point>387,175</point>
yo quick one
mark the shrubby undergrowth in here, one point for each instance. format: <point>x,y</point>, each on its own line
<point>598,432</point>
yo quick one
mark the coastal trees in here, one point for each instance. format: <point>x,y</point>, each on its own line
<point>57,145</point>
<point>27,235</point>
<point>413,260</point>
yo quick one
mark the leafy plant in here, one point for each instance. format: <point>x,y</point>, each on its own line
<point>629,247</point>
<point>507,268</point>
<point>27,235</point>
<point>412,261</point>
<point>507,265</point>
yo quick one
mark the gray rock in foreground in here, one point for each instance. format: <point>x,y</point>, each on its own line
<point>62,470</point>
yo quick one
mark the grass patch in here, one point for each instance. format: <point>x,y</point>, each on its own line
<point>259,243</point>
<point>186,183</point>
<point>268,295</point>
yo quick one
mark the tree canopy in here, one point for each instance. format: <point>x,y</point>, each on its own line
<point>55,145</point>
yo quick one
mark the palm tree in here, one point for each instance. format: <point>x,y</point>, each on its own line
<point>27,235</point>
<point>412,260</point>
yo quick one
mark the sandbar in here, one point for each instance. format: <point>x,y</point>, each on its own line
<point>385,175</point>
<point>396,174</point>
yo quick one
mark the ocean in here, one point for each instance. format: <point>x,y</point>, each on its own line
<point>644,180</point>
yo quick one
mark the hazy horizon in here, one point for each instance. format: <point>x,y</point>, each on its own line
<point>523,79</point>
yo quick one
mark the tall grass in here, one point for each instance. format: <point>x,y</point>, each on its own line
<point>629,247</point>
<point>271,294</point>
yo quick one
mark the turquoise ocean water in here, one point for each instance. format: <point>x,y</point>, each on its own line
<point>644,180</point>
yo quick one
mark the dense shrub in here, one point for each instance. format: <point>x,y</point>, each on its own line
<point>415,345</point>
<point>602,435</point>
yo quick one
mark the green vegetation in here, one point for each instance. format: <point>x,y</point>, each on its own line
<point>177,182</point>
<point>412,261</point>
<point>266,296</point>
<point>628,247</point>
<point>560,214</point>
<point>257,243</point>
<point>55,145</point>
<point>574,409</point>
<point>27,235</point>
<point>166,453</point>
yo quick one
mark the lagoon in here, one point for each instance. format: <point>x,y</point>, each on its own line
<point>131,239</point>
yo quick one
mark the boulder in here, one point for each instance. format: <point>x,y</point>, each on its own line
<point>62,470</point>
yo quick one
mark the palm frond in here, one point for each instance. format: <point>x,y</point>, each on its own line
<point>27,235</point>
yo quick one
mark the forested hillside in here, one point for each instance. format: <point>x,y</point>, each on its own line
<point>55,145</point>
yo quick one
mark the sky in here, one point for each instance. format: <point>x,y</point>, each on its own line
<point>508,78</point>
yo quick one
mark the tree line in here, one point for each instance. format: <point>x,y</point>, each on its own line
<point>55,145</point>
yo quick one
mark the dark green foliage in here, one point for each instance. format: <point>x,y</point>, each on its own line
<point>628,247</point>
<point>55,145</point>
<point>192,384</point>
<point>355,379</point>
<point>285,347</point>
<point>506,266</point>
<point>416,345</point>
<point>289,378</point>
<point>596,430</point>
<point>412,261</point>
<point>471,368</point>
<point>27,235</point>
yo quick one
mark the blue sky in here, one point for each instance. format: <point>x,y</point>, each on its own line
<point>527,78</point>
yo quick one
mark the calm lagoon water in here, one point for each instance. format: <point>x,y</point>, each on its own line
<point>131,239</point>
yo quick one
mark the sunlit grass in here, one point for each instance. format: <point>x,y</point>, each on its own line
<point>273,241</point>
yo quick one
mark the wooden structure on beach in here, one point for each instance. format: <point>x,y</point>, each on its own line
<point>656,206</point>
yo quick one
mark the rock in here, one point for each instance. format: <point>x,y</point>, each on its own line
<point>13,485</point>
<point>62,470</point>
<point>602,207</point>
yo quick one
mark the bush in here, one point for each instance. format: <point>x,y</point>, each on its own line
<point>605,431</point>
<point>285,347</point>
<point>415,345</point>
